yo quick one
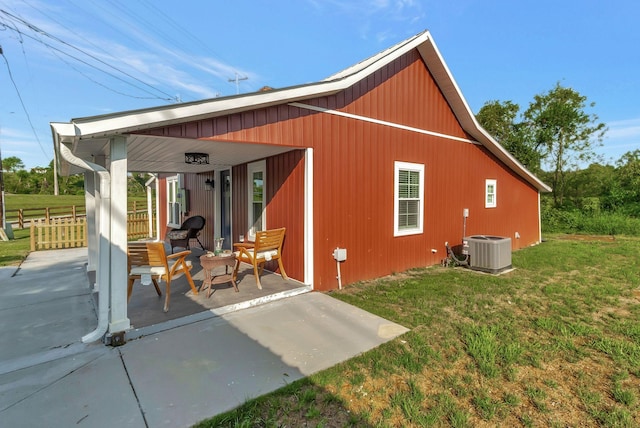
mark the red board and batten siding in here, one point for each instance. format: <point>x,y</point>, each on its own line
<point>354,176</point>
<point>284,194</point>
<point>201,202</point>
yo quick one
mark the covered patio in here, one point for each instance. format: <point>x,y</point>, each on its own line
<point>106,149</point>
<point>145,306</point>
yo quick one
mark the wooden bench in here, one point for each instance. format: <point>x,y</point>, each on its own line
<point>267,247</point>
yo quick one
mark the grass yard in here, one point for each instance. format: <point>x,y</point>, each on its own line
<point>14,251</point>
<point>556,342</point>
<point>17,201</point>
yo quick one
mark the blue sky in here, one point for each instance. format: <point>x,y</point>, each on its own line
<point>78,58</point>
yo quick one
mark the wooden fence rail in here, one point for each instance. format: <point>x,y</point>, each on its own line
<point>138,226</point>
<point>72,233</point>
<point>58,233</point>
<point>25,216</point>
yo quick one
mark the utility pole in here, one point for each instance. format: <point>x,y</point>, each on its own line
<point>3,223</point>
<point>236,80</point>
<point>2,209</point>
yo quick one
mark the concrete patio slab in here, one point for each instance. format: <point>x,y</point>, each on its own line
<point>172,378</point>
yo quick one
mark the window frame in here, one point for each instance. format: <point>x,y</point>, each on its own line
<point>252,168</point>
<point>173,201</point>
<point>490,183</point>
<point>411,167</point>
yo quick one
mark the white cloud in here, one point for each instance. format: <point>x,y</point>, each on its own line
<point>622,136</point>
<point>373,15</point>
<point>627,129</point>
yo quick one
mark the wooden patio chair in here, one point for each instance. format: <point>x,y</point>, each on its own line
<point>149,261</point>
<point>267,247</point>
<point>190,229</point>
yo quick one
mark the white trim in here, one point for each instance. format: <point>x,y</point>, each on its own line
<point>449,87</point>
<point>539,220</point>
<point>308,217</point>
<point>130,121</point>
<point>382,122</point>
<point>407,166</point>
<point>171,181</point>
<point>490,182</point>
<point>251,169</point>
<point>217,205</point>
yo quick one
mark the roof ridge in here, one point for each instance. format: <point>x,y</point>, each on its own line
<point>367,62</point>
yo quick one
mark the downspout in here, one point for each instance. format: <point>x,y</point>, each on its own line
<point>103,278</point>
<point>147,185</point>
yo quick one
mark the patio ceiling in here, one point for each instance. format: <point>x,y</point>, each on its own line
<point>166,154</point>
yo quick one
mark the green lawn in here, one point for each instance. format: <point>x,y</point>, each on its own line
<point>14,251</point>
<point>15,202</point>
<point>556,342</point>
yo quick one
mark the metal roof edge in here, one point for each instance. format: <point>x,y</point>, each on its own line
<point>153,117</point>
<point>450,89</point>
<point>136,120</point>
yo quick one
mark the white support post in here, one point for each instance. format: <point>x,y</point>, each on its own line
<point>118,319</point>
<point>308,218</point>
<point>158,209</point>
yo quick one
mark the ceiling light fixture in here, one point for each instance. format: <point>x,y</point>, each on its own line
<point>196,158</point>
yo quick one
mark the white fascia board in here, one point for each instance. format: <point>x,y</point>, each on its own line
<point>447,84</point>
<point>389,53</point>
<point>136,120</point>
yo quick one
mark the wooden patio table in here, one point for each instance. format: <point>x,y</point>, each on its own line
<point>209,262</point>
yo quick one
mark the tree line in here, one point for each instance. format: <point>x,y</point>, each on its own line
<point>39,180</point>
<point>556,138</point>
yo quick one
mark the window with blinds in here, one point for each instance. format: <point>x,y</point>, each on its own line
<point>490,194</point>
<point>409,198</point>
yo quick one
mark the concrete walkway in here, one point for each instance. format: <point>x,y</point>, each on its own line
<point>174,378</point>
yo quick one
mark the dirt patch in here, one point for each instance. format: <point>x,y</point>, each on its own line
<point>576,237</point>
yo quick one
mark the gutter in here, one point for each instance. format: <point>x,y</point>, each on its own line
<point>103,277</point>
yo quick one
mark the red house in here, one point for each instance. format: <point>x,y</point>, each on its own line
<point>380,159</point>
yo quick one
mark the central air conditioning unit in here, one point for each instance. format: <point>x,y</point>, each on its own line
<point>489,253</point>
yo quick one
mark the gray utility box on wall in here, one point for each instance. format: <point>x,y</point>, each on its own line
<point>489,253</point>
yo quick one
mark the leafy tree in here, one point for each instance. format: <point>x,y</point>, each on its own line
<point>499,119</point>
<point>12,164</point>
<point>624,193</point>
<point>586,187</point>
<point>565,134</point>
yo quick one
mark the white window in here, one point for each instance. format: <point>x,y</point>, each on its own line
<point>257,204</point>
<point>490,194</point>
<point>173,201</point>
<point>408,204</point>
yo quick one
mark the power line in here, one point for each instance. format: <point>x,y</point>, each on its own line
<point>38,30</point>
<point>97,47</point>
<point>26,112</point>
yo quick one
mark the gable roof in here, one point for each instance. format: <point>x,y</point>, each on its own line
<point>103,126</point>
